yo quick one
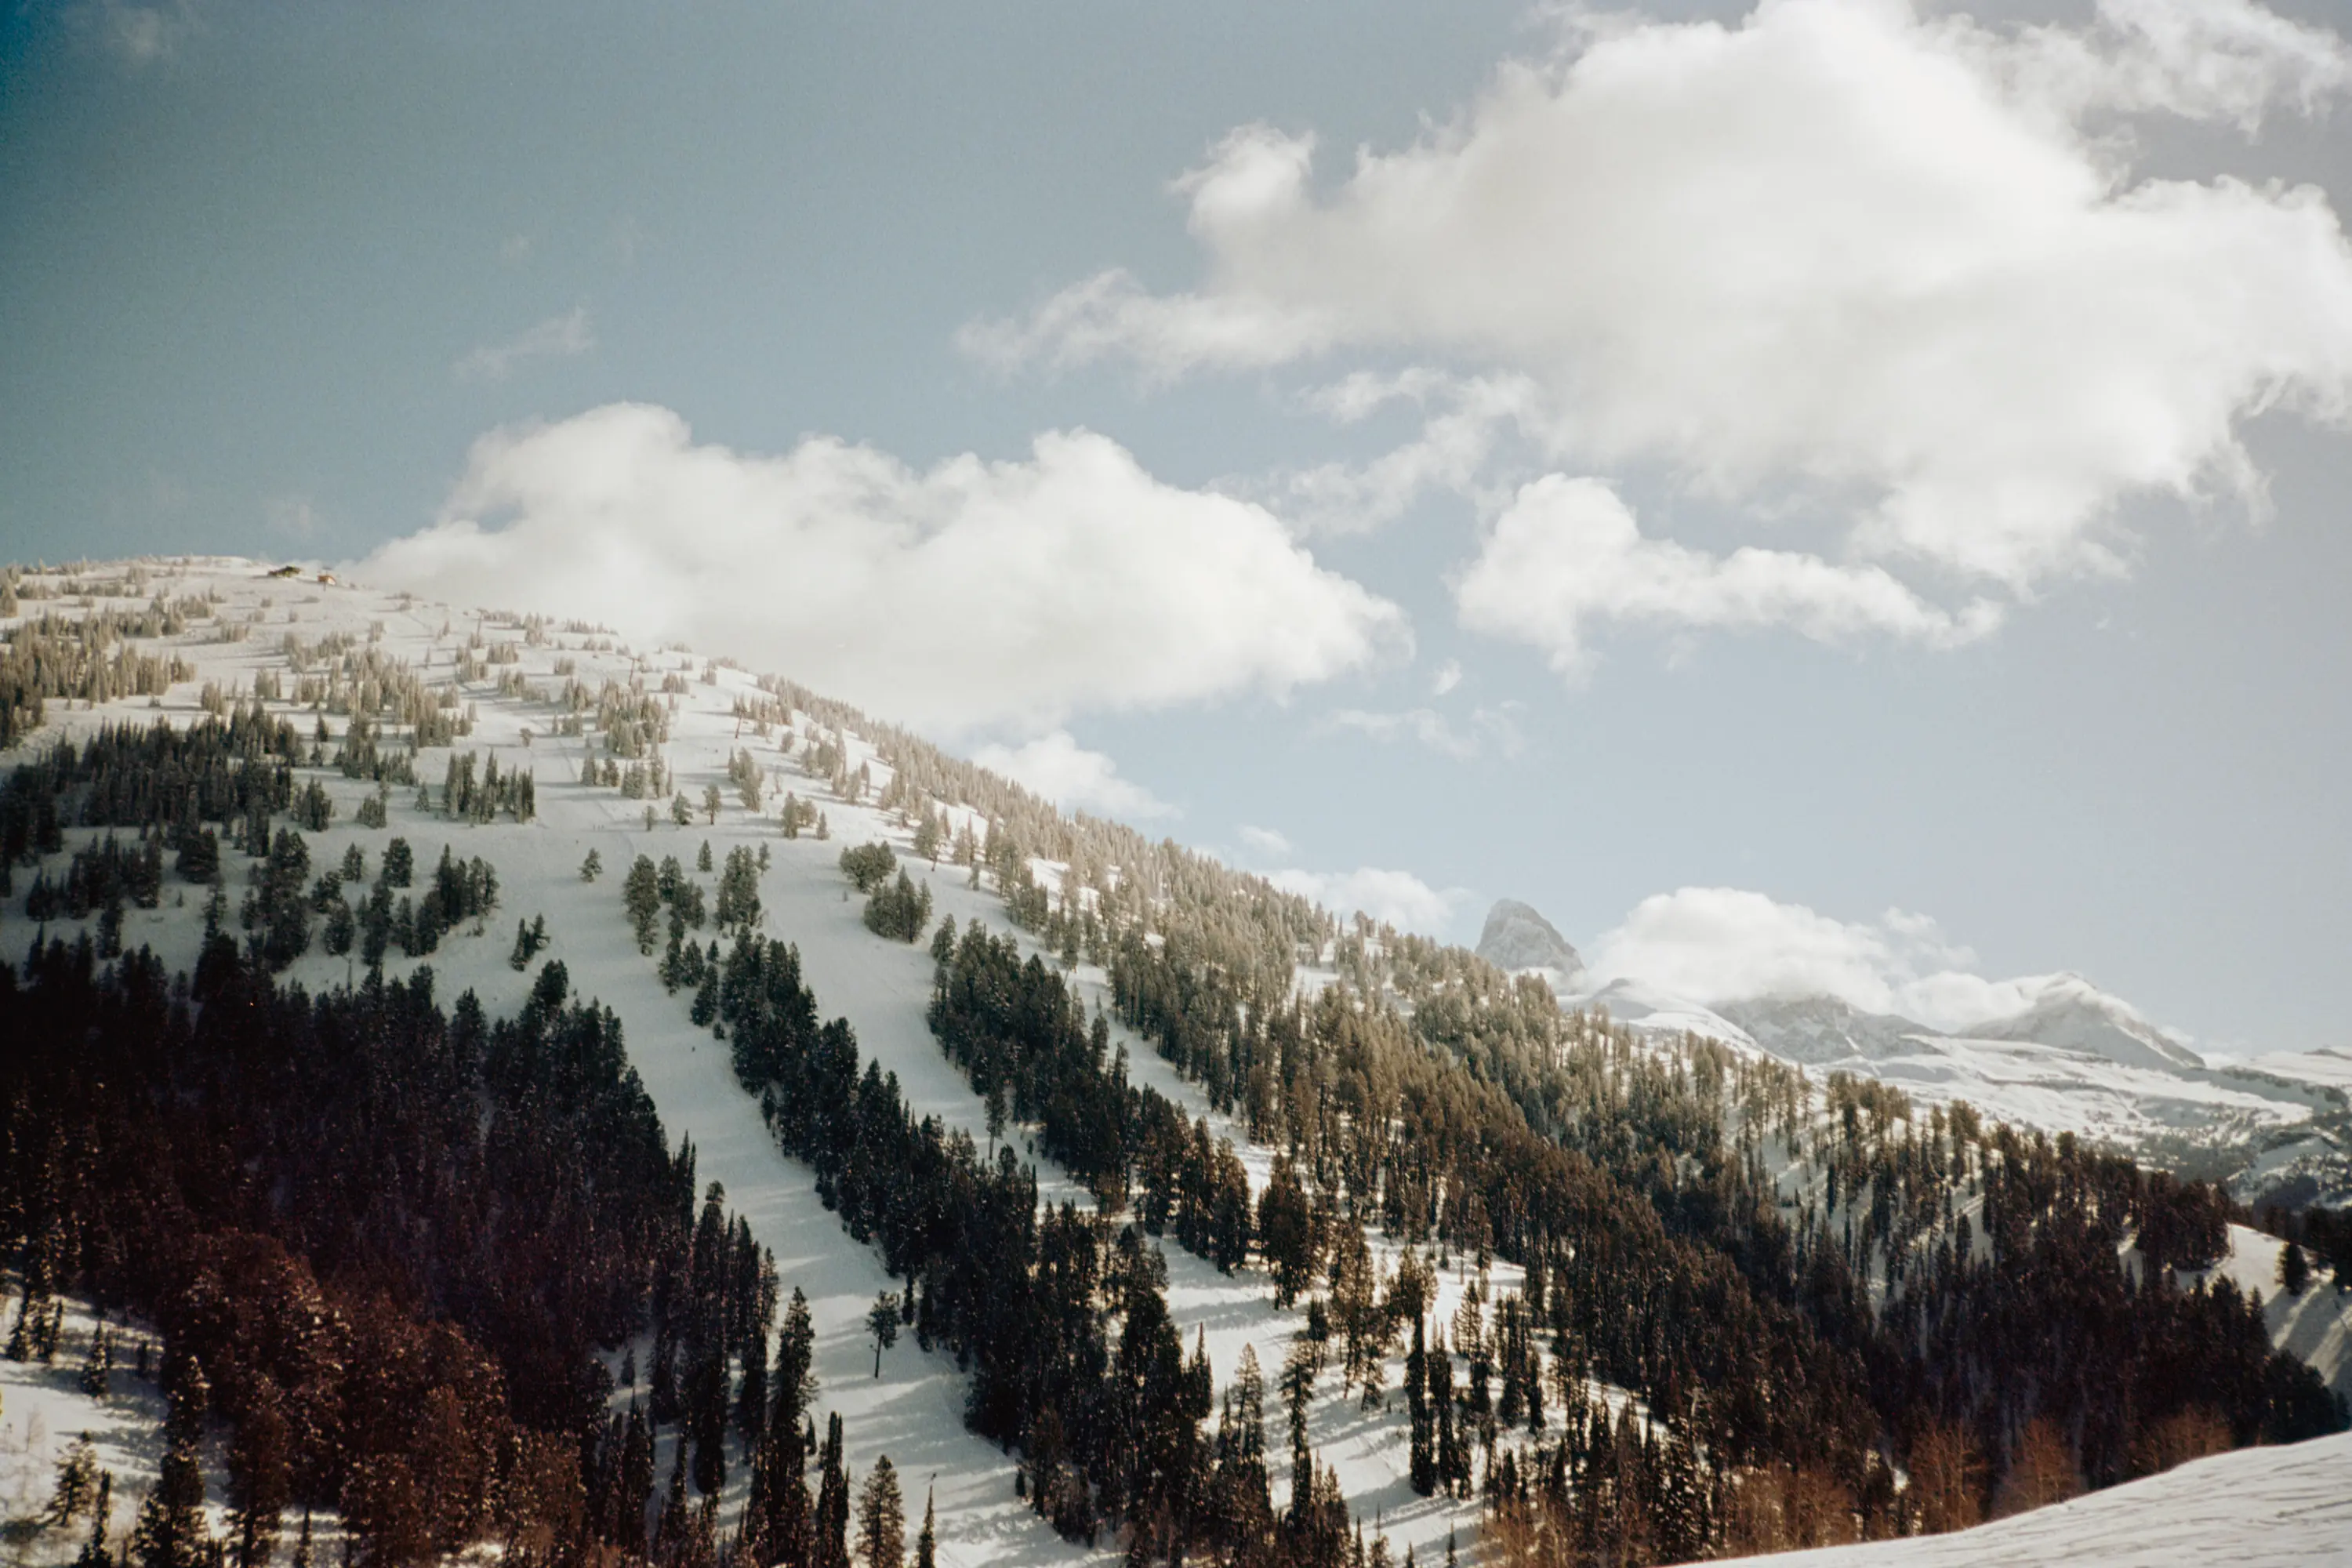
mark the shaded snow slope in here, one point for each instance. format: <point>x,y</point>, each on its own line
<point>2316,1325</point>
<point>2256,1508</point>
<point>1818,1030</point>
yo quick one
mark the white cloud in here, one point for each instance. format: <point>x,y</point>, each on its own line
<point>2225,60</point>
<point>1496,727</point>
<point>1056,766</point>
<point>1901,264</point>
<point>557,337</point>
<point>1466,418</point>
<point>1727,944</point>
<point>1449,676</point>
<point>1398,898</point>
<point>969,595</point>
<point>1265,841</point>
<point>1568,556</point>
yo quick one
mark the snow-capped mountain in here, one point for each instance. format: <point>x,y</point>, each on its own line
<point>1516,937</point>
<point>2073,1058</point>
<point>2073,1014</point>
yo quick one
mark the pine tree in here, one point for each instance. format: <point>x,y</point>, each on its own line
<point>927,1544</point>
<point>591,868</point>
<point>258,1479</point>
<point>882,1323</point>
<point>77,1482</point>
<point>94,1554</point>
<point>641,895</point>
<point>830,1547</point>
<point>171,1530</point>
<point>637,1484</point>
<point>1287,1234</point>
<point>1423,1462</point>
<point>882,1518</point>
<point>2293,1268</point>
<point>795,1384</point>
<point>98,1362</point>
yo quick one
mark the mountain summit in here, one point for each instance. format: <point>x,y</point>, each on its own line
<point>1516,937</point>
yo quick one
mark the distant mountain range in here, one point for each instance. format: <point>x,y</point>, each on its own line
<point>2074,1058</point>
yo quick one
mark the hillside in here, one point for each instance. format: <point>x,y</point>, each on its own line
<point>1616,1210</point>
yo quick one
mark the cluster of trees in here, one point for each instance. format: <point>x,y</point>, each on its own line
<point>900,909</point>
<point>89,657</point>
<point>383,1240</point>
<point>1022,1039</point>
<point>101,876</point>
<point>360,756</point>
<point>468,798</point>
<point>1107,1422</point>
<point>236,772</point>
<point>458,891</point>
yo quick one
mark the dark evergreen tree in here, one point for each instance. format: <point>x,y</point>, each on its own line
<point>882,1518</point>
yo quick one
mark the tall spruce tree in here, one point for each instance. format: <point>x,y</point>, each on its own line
<point>882,1518</point>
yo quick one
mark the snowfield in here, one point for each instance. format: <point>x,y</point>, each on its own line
<point>2256,1508</point>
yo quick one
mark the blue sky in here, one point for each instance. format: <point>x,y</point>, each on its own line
<point>1850,486</point>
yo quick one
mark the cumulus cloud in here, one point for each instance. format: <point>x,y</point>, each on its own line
<point>1056,766</point>
<point>1568,556</point>
<point>557,337</point>
<point>1398,898</point>
<point>968,595</point>
<point>1902,264</point>
<point>1729,944</point>
<point>1465,420</point>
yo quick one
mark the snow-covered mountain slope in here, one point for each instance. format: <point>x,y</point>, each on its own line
<point>263,631</point>
<point>2317,1325</point>
<point>1654,1012</point>
<point>44,1408</point>
<point>2329,1068</point>
<point>1817,1031</point>
<point>260,630</point>
<point>2073,1014</point>
<point>2256,1508</point>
